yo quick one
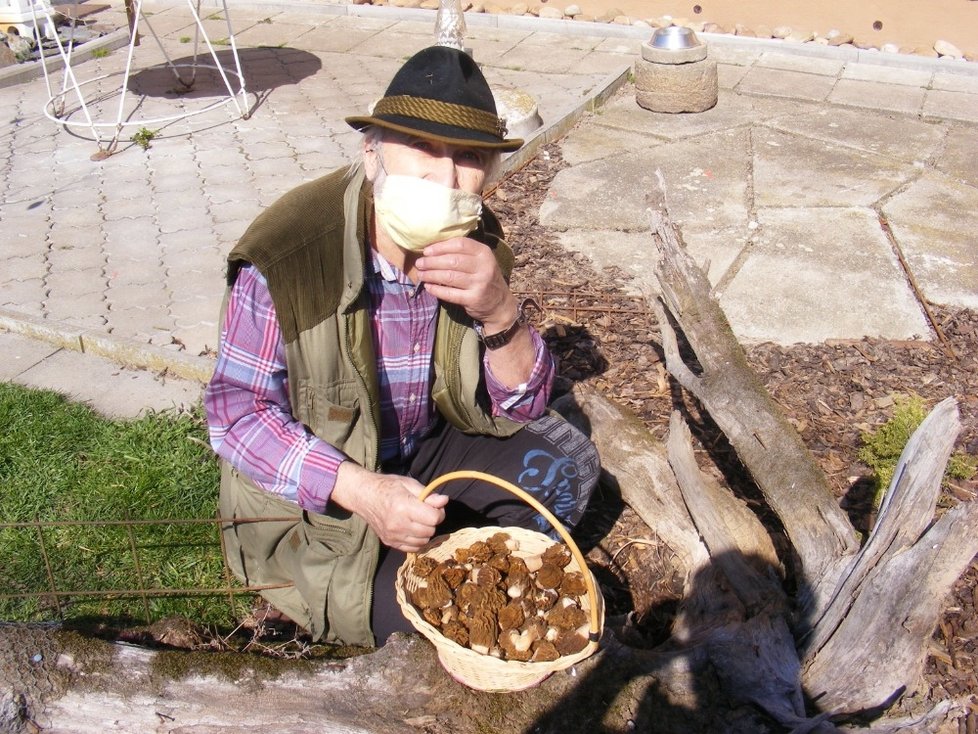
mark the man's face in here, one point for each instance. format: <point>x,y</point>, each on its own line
<point>453,166</point>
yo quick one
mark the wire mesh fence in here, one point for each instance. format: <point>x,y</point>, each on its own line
<point>134,570</point>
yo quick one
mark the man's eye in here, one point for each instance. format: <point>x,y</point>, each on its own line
<point>471,156</point>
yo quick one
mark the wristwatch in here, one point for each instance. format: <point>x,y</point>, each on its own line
<point>502,338</point>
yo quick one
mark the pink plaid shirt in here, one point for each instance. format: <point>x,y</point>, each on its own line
<point>249,414</point>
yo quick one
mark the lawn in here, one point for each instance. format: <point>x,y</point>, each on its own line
<point>110,508</point>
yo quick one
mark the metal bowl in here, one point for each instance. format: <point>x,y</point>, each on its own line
<point>674,38</point>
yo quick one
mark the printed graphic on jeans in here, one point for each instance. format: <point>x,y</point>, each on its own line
<point>556,481</point>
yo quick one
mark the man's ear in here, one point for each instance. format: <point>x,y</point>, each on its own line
<point>371,159</point>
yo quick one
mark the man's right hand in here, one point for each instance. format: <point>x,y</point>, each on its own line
<point>389,503</point>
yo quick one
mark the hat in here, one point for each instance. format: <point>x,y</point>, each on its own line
<point>442,95</point>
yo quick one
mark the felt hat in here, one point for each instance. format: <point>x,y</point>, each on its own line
<point>440,94</point>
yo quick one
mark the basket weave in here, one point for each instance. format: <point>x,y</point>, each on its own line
<point>485,672</point>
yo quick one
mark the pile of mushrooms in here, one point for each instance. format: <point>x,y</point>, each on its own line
<point>498,603</point>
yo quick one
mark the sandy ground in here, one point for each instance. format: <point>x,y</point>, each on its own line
<point>908,23</point>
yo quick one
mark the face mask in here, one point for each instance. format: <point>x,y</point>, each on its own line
<point>416,212</point>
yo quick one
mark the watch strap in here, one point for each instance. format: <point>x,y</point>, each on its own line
<point>502,338</point>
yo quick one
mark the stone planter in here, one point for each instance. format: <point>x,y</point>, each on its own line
<point>675,74</point>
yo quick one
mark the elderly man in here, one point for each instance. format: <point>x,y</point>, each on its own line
<point>370,343</point>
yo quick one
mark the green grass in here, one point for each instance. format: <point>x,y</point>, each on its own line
<point>60,462</point>
<point>881,449</point>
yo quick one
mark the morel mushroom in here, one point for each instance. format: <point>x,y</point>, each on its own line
<point>423,566</point>
<point>573,584</point>
<point>569,643</point>
<point>566,615</point>
<point>485,576</point>
<point>517,582</point>
<point>544,599</point>
<point>512,615</point>
<point>478,552</point>
<point>482,631</point>
<point>544,651</point>
<point>435,594</point>
<point>503,543</point>
<point>453,574</point>
<point>549,576</point>
<point>558,554</point>
<point>516,644</point>
<point>456,632</point>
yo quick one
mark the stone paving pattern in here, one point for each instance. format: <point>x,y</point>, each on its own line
<point>782,187</point>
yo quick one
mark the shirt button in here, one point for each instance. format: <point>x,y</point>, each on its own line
<point>417,347</point>
<point>412,398</point>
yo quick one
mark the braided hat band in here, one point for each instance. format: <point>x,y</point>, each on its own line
<point>444,113</point>
<point>440,94</point>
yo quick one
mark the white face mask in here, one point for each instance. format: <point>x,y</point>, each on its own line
<point>416,212</point>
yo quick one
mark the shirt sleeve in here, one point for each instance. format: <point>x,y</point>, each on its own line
<point>527,401</point>
<point>249,415</point>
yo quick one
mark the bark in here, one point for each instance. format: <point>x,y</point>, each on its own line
<point>867,614</point>
<point>766,443</point>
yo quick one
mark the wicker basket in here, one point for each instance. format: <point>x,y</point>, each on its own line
<point>485,672</point>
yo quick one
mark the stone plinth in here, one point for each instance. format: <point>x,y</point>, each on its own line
<point>676,80</point>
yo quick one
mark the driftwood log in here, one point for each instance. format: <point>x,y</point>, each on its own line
<point>849,640</point>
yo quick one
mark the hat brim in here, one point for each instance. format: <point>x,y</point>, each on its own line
<point>451,134</point>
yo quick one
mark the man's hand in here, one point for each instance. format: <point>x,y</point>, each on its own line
<point>464,272</point>
<point>389,503</point>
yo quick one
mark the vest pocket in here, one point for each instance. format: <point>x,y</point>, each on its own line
<point>332,537</point>
<point>331,411</point>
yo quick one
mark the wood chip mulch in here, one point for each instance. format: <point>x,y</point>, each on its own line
<point>832,393</point>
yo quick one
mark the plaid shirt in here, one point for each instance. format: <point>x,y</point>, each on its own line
<point>249,414</point>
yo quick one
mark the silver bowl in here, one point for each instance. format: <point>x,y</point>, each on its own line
<point>674,38</point>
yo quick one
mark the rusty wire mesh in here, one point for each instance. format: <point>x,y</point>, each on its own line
<point>53,598</point>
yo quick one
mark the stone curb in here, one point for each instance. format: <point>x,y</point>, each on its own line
<point>125,352</point>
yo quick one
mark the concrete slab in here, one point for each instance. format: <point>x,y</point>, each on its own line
<point>105,386</point>
<point>905,99</point>
<point>21,354</point>
<point>821,274</point>
<point>902,138</point>
<point>951,105</point>
<point>706,181</point>
<point>793,84</point>
<point>934,221</point>
<point>783,167</point>
<point>960,157</point>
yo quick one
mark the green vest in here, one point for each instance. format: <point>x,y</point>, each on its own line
<point>311,247</point>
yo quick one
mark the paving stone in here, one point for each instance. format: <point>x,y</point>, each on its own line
<point>951,105</point>
<point>136,295</point>
<point>903,138</point>
<point>21,354</point>
<point>960,157</point>
<point>705,179</point>
<point>806,64</point>
<point>798,85</point>
<point>783,176</point>
<point>934,220</point>
<point>76,282</point>
<point>887,75</point>
<point>25,295</point>
<point>23,268</point>
<point>875,96</point>
<point>104,385</point>
<point>788,289</point>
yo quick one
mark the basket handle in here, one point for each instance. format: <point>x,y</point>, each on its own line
<point>595,624</point>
